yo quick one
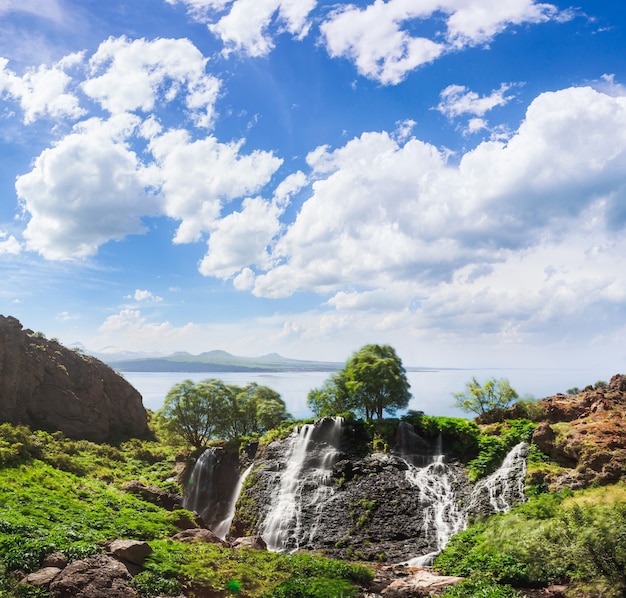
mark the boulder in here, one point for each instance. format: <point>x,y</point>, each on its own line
<point>49,387</point>
<point>98,576</point>
<point>420,583</point>
<point>55,559</point>
<point>42,577</point>
<point>253,542</point>
<point>154,495</point>
<point>133,551</point>
<point>199,535</point>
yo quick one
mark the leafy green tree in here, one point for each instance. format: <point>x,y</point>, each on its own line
<point>332,398</point>
<point>194,412</point>
<point>372,381</point>
<point>376,381</point>
<point>271,410</point>
<point>481,399</point>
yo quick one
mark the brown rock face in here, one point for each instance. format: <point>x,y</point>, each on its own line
<point>586,432</point>
<point>47,386</point>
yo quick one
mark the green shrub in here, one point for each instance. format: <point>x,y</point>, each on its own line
<point>316,587</point>
<point>495,442</point>
<point>458,435</point>
<point>547,540</point>
<point>481,585</point>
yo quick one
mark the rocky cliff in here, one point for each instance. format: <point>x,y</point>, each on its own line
<point>314,491</point>
<point>585,435</point>
<point>47,386</point>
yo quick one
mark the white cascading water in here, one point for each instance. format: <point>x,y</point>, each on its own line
<point>442,514</point>
<point>213,489</point>
<point>505,486</point>
<point>281,528</point>
<point>201,477</point>
<point>221,529</point>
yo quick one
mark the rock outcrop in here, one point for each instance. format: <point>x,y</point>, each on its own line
<point>47,386</point>
<point>585,434</point>
<point>378,507</point>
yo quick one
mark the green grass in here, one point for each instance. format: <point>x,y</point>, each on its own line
<point>64,495</point>
<point>174,566</point>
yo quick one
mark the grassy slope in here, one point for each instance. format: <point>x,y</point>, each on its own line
<point>58,494</point>
<point>62,495</point>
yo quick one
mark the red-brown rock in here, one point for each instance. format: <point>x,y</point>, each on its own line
<point>585,433</point>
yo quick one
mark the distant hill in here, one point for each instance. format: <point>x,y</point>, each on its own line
<point>221,361</point>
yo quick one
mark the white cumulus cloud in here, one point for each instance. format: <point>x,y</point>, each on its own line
<point>9,245</point>
<point>130,75</point>
<point>87,189</point>
<point>382,212</point>
<point>457,100</point>
<point>250,25</point>
<point>135,332</point>
<point>145,295</point>
<point>199,177</point>
<point>379,41</point>
<point>241,239</point>
<point>42,91</point>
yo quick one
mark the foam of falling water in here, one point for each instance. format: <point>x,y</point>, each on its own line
<point>221,528</point>
<point>282,527</point>
<point>505,487</point>
<point>201,477</point>
<point>276,526</point>
<point>322,477</point>
<point>442,517</point>
<point>441,513</point>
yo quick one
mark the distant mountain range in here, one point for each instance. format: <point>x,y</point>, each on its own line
<point>216,361</point>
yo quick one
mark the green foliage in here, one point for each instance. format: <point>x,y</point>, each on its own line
<point>213,569</point>
<point>495,442</point>
<point>373,381</point>
<point>332,398</point>
<point>376,380</point>
<point>45,508</point>
<point>480,399</point>
<point>459,435</point>
<point>469,551</point>
<point>547,540</point>
<point>481,585</point>
<point>58,494</point>
<point>529,408</point>
<point>197,413</point>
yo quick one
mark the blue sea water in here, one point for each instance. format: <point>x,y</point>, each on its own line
<point>432,390</point>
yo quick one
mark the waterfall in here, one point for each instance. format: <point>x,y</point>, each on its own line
<point>309,459</point>
<point>221,528</point>
<point>442,513</point>
<point>213,488</point>
<point>504,488</point>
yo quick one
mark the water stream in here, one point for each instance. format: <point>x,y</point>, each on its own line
<point>309,460</point>
<point>213,488</point>
<point>222,527</point>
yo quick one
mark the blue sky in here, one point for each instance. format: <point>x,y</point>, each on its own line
<point>305,177</point>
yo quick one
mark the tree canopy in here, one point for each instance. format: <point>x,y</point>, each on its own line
<point>197,413</point>
<point>373,381</point>
<point>481,399</point>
